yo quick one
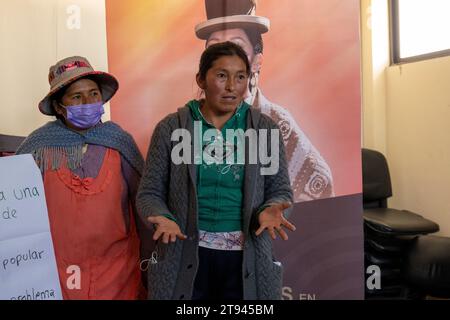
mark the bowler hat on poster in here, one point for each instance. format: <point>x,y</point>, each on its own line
<point>230,14</point>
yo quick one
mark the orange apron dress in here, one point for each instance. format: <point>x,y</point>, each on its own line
<point>89,232</point>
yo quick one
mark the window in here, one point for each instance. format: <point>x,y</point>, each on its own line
<point>420,29</point>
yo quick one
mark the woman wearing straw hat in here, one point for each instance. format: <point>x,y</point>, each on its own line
<point>91,171</point>
<point>225,214</point>
<point>236,21</point>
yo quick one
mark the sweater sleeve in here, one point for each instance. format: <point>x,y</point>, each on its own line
<point>277,186</point>
<point>152,193</point>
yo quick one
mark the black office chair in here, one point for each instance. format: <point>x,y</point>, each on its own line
<point>427,266</point>
<point>376,190</point>
<point>388,233</point>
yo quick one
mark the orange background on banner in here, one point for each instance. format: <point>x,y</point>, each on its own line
<point>311,67</point>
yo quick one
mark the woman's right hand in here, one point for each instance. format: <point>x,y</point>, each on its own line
<point>166,228</point>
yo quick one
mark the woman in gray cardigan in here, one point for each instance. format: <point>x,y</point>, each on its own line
<point>216,188</point>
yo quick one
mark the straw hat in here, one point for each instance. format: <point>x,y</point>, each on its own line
<point>67,71</point>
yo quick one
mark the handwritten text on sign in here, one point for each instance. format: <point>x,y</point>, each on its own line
<point>27,260</point>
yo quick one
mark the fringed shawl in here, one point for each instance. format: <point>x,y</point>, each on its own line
<point>54,145</point>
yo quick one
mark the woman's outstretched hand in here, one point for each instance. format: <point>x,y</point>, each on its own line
<point>273,220</point>
<point>167,229</point>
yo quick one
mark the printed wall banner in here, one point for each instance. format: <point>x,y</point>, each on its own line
<point>306,76</point>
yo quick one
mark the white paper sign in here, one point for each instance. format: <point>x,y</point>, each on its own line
<point>27,260</point>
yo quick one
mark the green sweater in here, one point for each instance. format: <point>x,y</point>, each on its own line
<point>220,186</point>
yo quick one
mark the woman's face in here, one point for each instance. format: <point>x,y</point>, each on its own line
<point>225,84</point>
<point>83,91</point>
<point>237,36</point>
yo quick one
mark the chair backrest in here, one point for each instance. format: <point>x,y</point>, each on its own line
<point>376,179</point>
<point>9,144</point>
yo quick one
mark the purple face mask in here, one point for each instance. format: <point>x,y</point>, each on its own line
<point>84,116</point>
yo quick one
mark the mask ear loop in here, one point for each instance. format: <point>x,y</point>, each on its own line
<point>62,106</point>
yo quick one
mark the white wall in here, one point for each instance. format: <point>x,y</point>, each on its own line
<point>375,59</point>
<point>407,117</point>
<point>418,130</point>
<point>35,34</point>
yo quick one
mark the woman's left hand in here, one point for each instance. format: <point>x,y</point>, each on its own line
<point>273,220</point>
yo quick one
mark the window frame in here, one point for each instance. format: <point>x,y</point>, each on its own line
<point>394,28</point>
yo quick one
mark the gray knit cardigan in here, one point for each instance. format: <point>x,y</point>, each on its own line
<point>167,188</point>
